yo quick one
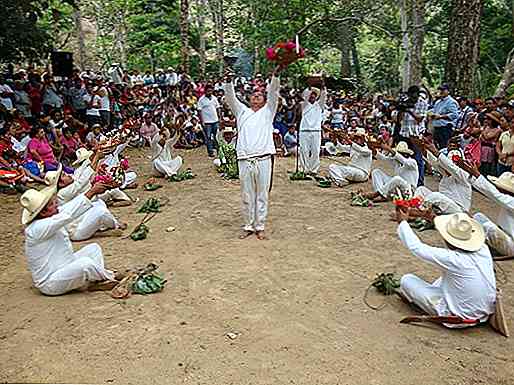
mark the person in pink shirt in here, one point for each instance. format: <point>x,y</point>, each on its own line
<point>148,130</point>
<point>70,144</point>
<point>40,151</point>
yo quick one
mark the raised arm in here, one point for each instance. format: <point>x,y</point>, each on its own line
<point>230,97</point>
<point>323,97</point>
<point>449,166</point>
<point>441,258</point>
<point>45,228</point>
<point>490,190</point>
<point>273,94</point>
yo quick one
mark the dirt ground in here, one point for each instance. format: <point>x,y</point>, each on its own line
<point>294,301</point>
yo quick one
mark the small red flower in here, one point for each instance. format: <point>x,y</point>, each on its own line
<point>290,45</point>
<point>271,54</point>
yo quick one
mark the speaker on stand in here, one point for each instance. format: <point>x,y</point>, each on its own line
<point>62,64</point>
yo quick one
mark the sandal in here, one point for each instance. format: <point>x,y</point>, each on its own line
<point>245,234</point>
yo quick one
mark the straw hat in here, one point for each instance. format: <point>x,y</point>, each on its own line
<point>82,154</point>
<point>461,231</point>
<point>496,116</point>
<point>403,148</point>
<point>33,201</point>
<point>505,181</point>
<point>331,148</point>
<point>52,177</point>
<point>228,130</point>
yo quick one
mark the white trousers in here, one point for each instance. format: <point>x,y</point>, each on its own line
<point>441,202</point>
<point>130,177</point>
<point>254,176</point>
<point>98,217</point>
<point>114,194</point>
<point>86,266</point>
<point>167,167</point>
<point>387,185</point>
<point>497,239</point>
<point>344,174</point>
<point>310,144</point>
<point>428,297</point>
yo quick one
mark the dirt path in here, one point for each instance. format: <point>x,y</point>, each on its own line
<point>294,300</point>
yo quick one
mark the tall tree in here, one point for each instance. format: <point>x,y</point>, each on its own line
<point>184,33</point>
<point>417,39</point>
<point>201,6</point>
<point>507,78</point>
<point>79,33</point>
<point>463,45</point>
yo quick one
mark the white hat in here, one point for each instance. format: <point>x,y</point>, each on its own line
<point>360,131</point>
<point>461,231</point>
<point>505,181</point>
<point>331,148</point>
<point>217,162</point>
<point>82,154</point>
<point>52,177</point>
<point>33,201</point>
<point>403,148</point>
<point>227,130</point>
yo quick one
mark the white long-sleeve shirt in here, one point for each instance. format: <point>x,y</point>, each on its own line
<point>47,243</point>
<point>467,282</point>
<point>456,184</point>
<point>361,157</point>
<point>81,183</point>
<point>312,113</point>
<point>407,168</point>
<point>505,217</point>
<point>254,128</point>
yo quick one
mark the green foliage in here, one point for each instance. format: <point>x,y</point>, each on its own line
<point>21,35</point>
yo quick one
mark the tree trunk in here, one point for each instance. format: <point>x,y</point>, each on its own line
<point>355,58</point>
<point>417,33</point>
<point>507,78</point>
<point>406,47</point>
<point>184,33</point>
<point>200,9</point>
<point>221,38</point>
<point>344,44</point>
<point>77,17</point>
<point>463,45</point>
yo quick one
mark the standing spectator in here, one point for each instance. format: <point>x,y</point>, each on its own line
<point>208,106</point>
<point>505,150</point>
<point>6,94</point>
<point>488,140</point>
<point>51,98</point>
<point>444,115</point>
<point>105,106</point>
<point>413,126</point>
<point>93,105</point>
<point>22,100</point>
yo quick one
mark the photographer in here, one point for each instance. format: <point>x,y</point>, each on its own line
<point>411,115</point>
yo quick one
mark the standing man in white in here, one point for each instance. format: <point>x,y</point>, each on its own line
<point>208,107</point>
<point>310,128</point>
<point>254,148</point>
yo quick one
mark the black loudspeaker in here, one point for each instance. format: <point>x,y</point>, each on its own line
<point>62,63</point>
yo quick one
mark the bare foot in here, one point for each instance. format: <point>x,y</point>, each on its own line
<point>245,234</point>
<point>102,285</point>
<point>122,226</point>
<point>260,235</point>
<point>120,203</point>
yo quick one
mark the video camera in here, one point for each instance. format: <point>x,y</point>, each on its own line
<point>404,102</point>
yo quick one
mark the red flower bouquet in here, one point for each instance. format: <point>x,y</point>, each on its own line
<point>285,53</point>
<point>408,203</point>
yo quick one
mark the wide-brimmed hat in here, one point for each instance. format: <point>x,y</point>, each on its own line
<point>505,181</point>
<point>331,148</point>
<point>315,90</point>
<point>495,115</point>
<point>82,155</point>
<point>52,177</point>
<point>228,130</point>
<point>461,231</point>
<point>403,148</point>
<point>33,201</point>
